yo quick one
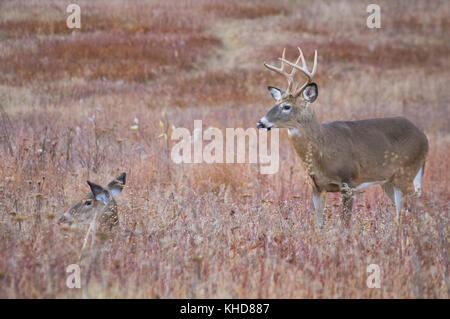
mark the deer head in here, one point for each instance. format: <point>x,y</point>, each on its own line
<point>293,102</point>
<point>99,202</point>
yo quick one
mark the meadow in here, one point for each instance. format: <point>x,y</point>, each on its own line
<point>69,100</point>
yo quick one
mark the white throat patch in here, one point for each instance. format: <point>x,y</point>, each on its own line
<point>294,132</point>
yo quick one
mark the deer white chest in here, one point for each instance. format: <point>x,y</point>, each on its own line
<point>294,132</point>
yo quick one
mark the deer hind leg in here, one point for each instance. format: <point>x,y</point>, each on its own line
<point>388,189</point>
<point>418,181</point>
<point>347,203</point>
<point>396,196</point>
<point>319,199</point>
<point>400,203</point>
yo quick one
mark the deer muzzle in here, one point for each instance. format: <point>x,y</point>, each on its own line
<point>263,123</point>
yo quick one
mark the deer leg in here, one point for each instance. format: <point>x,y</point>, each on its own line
<point>418,182</point>
<point>388,189</point>
<point>396,196</point>
<point>347,203</point>
<point>319,199</point>
<point>399,202</point>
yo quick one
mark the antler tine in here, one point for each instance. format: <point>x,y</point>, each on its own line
<point>304,68</point>
<point>295,86</point>
<point>295,68</point>
<point>315,64</point>
<point>283,55</point>
<point>281,70</point>
<point>303,58</point>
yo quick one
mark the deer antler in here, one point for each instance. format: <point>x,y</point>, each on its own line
<point>293,87</point>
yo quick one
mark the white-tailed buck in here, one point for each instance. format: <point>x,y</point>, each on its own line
<point>96,217</point>
<point>346,156</point>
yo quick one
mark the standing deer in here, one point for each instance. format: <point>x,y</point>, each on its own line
<point>97,215</point>
<point>346,156</point>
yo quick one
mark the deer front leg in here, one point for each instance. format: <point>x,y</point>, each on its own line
<point>347,203</point>
<point>319,199</point>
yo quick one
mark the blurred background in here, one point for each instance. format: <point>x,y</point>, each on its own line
<point>89,103</point>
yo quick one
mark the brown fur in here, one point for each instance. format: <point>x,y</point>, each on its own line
<point>355,152</point>
<point>96,216</point>
<point>341,155</point>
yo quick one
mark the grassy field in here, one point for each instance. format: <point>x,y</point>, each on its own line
<point>69,97</point>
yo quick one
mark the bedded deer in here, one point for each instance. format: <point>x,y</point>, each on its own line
<point>98,209</point>
<point>345,156</point>
<point>96,214</point>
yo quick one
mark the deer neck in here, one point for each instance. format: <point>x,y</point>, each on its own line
<point>307,137</point>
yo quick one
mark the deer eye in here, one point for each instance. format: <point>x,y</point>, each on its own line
<point>286,107</point>
<point>87,203</point>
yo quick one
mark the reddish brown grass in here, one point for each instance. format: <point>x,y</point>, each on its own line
<point>113,56</point>
<point>243,10</point>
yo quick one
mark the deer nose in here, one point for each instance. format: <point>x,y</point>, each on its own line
<point>264,124</point>
<point>62,220</point>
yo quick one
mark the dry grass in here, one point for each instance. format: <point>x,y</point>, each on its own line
<point>213,230</point>
<point>111,56</point>
<point>243,10</point>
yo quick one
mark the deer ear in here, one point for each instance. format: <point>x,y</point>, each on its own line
<point>310,92</point>
<point>116,185</point>
<point>99,192</point>
<point>276,93</point>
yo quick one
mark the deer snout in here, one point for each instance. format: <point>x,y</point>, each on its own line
<point>63,220</point>
<point>260,124</point>
<point>263,123</point>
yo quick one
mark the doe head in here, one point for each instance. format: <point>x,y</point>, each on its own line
<point>99,201</point>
